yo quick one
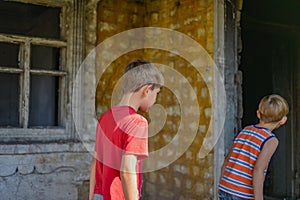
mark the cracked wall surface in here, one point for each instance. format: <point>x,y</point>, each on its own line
<point>43,171</point>
<point>61,171</point>
<point>54,170</point>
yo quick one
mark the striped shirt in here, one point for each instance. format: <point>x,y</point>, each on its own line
<point>237,177</point>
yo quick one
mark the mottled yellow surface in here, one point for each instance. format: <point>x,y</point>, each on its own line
<point>189,177</point>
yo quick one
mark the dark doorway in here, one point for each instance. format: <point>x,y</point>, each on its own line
<point>270,64</point>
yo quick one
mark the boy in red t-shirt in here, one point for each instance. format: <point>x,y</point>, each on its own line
<point>122,136</point>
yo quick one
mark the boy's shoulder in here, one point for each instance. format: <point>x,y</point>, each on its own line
<point>257,130</point>
<point>123,115</point>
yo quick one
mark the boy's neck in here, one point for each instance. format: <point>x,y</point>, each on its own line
<point>269,126</point>
<point>129,99</point>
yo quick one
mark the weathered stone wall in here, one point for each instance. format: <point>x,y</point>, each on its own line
<point>61,171</point>
<point>53,170</point>
<point>189,177</point>
<point>43,171</point>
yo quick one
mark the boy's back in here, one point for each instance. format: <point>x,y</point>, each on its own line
<point>244,169</point>
<point>120,131</point>
<point>245,151</point>
<point>122,136</point>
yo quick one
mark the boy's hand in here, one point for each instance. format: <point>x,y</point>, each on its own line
<point>260,165</point>
<point>92,177</point>
<point>129,177</point>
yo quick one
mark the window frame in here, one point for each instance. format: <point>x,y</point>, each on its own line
<point>69,63</point>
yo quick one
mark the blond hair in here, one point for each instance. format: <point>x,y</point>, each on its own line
<point>139,73</point>
<point>273,108</point>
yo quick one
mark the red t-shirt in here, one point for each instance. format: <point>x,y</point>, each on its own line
<point>120,131</point>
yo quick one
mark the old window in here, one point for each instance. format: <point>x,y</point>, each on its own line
<point>34,71</point>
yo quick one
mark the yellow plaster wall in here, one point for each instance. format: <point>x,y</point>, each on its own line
<point>189,177</point>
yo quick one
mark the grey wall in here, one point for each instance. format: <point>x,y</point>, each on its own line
<point>44,171</point>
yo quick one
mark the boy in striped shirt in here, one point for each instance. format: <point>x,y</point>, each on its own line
<point>244,169</point>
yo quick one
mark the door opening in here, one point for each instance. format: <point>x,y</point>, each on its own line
<point>270,64</point>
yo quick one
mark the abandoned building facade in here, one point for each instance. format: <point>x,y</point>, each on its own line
<point>52,89</point>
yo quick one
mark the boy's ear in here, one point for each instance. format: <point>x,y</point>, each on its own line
<point>258,114</point>
<point>146,89</point>
<point>283,120</point>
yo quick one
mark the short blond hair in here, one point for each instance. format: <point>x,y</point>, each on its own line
<point>139,73</point>
<point>273,108</point>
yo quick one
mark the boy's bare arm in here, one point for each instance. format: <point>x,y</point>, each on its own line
<point>260,165</point>
<point>92,177</point>
<point>129,177</point>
